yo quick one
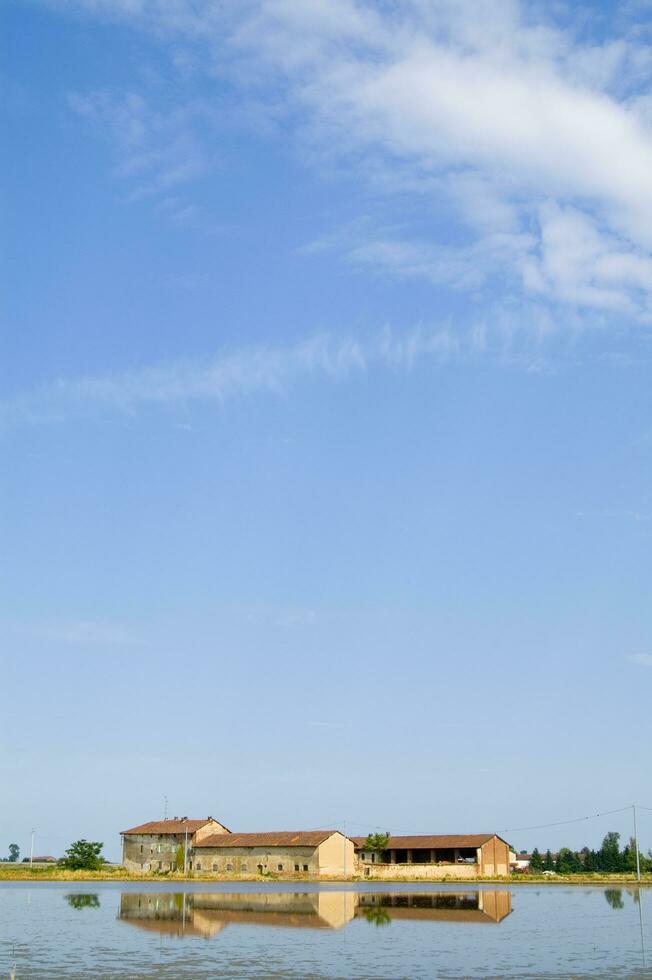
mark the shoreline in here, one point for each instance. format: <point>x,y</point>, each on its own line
<point>45,874</point>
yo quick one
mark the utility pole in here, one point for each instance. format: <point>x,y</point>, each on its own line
<point>165,807</point>
<point>185,855</point>
<point>344,831</point>
<point>31,852</point>
<point>638,858</point>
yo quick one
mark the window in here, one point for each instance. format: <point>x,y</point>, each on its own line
<point>198,865</point>
<point>214,865</point>
<point>229,867</point>
<point>160,865</point>
<point>297,868</point>
<point>141,848</point>
<point>373,858</point>
<point>243,866</point>
<point>305,867</point>
<point>279,867</point>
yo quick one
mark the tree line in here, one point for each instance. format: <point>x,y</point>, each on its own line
<point>83,855</point>
<point>608,859</point>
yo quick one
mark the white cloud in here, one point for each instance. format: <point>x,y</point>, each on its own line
<point>642,659</point>
<point>530,131</point>
<point>583,264</point>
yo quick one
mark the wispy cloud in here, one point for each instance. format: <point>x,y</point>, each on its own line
<point>329,724</point>
<point>86,633</point>
<point>240,373</point>
<point>642,659</point>
<point>537,137</point>
<point>158,150</point>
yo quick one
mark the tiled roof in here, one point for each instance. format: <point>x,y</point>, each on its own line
<point>277,838</point>
<point>167,827</point>
<point>417,841</point>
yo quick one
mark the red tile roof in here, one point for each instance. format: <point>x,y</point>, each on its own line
<point>167,827</point>
<point>443,841</point>
<point>277,838</point>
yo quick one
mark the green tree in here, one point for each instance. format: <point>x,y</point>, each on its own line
<point>609,856</point>
<point>589,860</point>
<point>536,862</point>
<point>567,862</point>
<point>548,862</point>
<point>629,857</point>
<point>179,858</point>
<point>83,855</point>
<point>376,842</point>
<point>14,852</point>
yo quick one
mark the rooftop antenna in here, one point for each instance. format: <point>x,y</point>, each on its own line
<point>165,807</point>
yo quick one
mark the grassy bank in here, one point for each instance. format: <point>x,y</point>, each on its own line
<point>117,873</point>
<point>50,872</point>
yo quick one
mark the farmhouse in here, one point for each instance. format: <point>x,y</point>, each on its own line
<point>462,856</point>
<point>158,844</point>
<point>322,853</point>
<point>209,847</point>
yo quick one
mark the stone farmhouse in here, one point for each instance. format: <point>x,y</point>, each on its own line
<point>154,846</point>
<point>209,847</point>
<point>320,853</point>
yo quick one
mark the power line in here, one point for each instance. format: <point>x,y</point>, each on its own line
<point>561,823</point>
<point>513,830</point>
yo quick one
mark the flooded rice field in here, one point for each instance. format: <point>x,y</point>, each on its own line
<point>107,929</point>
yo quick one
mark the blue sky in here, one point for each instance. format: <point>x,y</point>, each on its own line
<point>325,416</point>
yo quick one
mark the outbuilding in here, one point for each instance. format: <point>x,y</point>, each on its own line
<point>435,856</point>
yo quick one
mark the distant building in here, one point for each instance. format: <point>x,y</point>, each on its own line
<point>41,859</point>
<point>154,846</point>
<point>321,853</point>
<point>520,862</point>
<point>464,856</point>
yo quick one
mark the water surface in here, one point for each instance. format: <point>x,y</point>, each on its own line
<point>106,930</point>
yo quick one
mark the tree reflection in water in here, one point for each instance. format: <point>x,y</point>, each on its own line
<point>83,901</point>
<point>377,916</point>
<point>614,897</point>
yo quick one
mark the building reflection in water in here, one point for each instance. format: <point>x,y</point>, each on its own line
<point>205,914</point>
